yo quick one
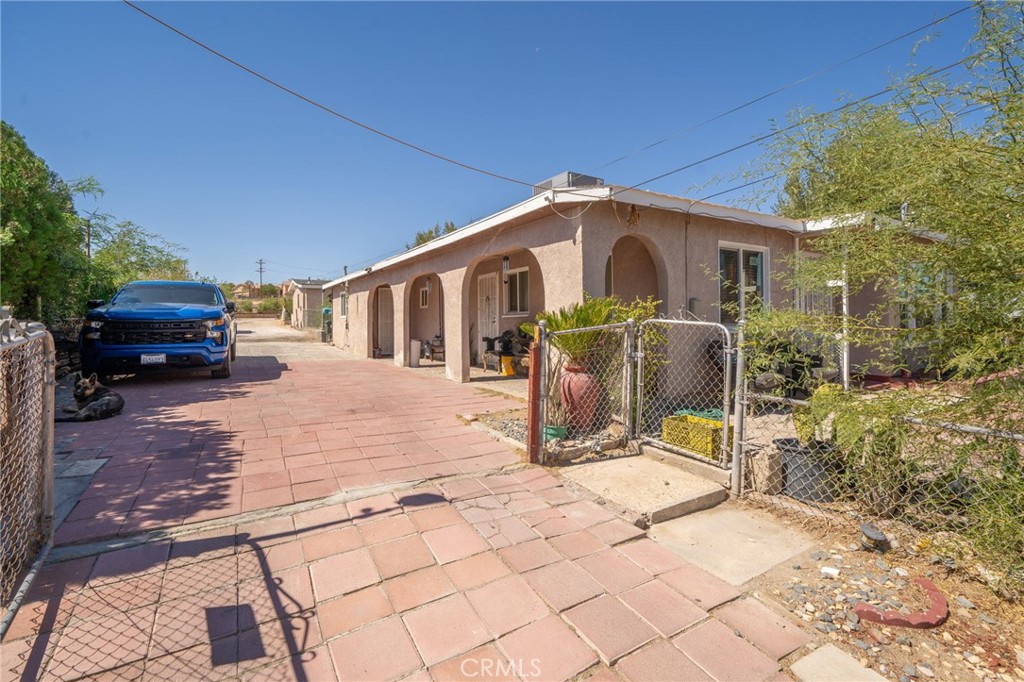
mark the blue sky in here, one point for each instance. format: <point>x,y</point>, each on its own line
<point>234,170</point>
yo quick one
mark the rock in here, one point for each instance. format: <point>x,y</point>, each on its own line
<point>910,671</point>
<point>882,565</point>
<point>797,567</point>
<point>973,659</point>
<point>905,641</point>
<point>877,635</point>
<point>829,572</point>
<point>825,617</point>
<point>822,627</point>
<point>985,618</point>
<point>925,670</point>
<point>946,637</point>
<point>819,556</point>
<point>901,572</point>
<point>1020,657</point>
<point>965,602</point>
<point>809,607</point>
<point>861,644</point>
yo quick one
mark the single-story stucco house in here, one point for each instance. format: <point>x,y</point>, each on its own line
<point>575,235</point>
<point>308,299</point>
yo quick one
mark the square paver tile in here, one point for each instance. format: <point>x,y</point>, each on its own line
<point>699,586</point>
<point>616,531</point>
<point>614,571</point>
<point>563,584</point>
<point>664,608</point>
<point>414,589</point>
<point>387,528</point>
<point>507,604</point>
<point>483,663</point>
<point>381,651</point>
<point>326,543</point>
<point>436,517</point>
<point>342,573</point>
<point>352,611</point>
<point>452,543</point>
<point>578,544</point>
<point>547,650</point>
<point>587,513</point>
<point>529,555</point>
<point>723,655</point>
<point>445,628</point>
<point>401,556</point>
<point>651,556</point>
<point>769,631</point>
<point>660,661</point>
<point>476,570</point>
<point>611,627</point>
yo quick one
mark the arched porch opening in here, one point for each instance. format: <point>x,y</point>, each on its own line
<point>425,315</point>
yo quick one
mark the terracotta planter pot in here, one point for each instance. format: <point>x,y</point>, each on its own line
<point>581,393</point>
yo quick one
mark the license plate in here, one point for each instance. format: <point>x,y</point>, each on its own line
<point>153,359</point>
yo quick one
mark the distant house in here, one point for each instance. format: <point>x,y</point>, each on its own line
<point>241,291</point>
<point>574,236</point>
<point>307,302</point>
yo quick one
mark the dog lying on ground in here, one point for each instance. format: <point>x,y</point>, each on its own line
<point>93,401</point>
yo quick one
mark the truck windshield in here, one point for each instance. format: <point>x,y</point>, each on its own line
<point>165,293</point>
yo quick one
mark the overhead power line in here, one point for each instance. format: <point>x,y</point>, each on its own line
<point>324,107</point>
<point>797,124</point>
<point>783,88</point>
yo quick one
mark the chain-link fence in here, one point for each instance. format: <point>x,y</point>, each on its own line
<point>586,391</point>
<point>950,491</point>
<point>26,453</point>
<point>684,378</point>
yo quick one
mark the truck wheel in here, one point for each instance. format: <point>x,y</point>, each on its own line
<point>224,371</point>
<point>234,349</point>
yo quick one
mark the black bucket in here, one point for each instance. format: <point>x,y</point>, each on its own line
<point>807,471</point>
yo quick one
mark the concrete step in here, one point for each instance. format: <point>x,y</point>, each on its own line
<point>647,488</point>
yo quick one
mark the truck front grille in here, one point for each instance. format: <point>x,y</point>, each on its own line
<point>152,333</point>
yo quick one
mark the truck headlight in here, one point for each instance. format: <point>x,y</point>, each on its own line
<point>217,336</point>
<point>91,329</point>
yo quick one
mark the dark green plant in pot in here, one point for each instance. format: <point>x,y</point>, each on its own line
<point>580,389</point>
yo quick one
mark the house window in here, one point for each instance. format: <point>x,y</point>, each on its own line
<point>517,292</point>
<point>342,304</point>
<point>424,297</point>
<point>741,272</point>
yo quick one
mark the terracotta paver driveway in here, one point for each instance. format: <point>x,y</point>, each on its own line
<point>189,449</point>
<point>351,565</point>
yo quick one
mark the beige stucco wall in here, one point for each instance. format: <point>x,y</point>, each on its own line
<point>566,255</point>
<point>685,253</point>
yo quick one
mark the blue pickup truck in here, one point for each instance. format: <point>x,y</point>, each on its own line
<point>159,325</point>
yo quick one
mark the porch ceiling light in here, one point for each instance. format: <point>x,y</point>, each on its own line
<point>504,263</point>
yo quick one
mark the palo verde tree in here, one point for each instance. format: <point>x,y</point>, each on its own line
<point>927,194</point>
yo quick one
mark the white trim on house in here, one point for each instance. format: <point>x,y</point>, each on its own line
<point>424,298</point>
<point>766,259</point>
<point>611,193</point>
<point>506,309</point>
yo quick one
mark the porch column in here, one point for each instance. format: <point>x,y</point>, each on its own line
<point>401,313</point>
<point>456,324</point>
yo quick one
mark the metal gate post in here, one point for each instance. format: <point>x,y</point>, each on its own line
<point>627,392</point>
<point>542,343</point>
<point>639,380</point>
<point>727,354</point>
<point>739,411</point>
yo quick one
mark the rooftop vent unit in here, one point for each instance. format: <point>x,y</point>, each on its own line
<point>567,179</point>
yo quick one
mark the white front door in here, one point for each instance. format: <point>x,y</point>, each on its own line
<point>487,322</point>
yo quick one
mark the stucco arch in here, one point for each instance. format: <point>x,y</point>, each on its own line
<point>635,269</point>
<point>530,301</point>
<point>424,308</point>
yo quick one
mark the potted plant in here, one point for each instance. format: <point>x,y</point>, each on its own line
<point>554,420</point>
<point>579,388</point>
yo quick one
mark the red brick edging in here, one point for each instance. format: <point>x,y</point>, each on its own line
<point>935,616</point>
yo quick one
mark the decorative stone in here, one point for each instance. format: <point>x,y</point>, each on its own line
<point>830,572</point>
<point>925,670</point>
<point>965,602</point>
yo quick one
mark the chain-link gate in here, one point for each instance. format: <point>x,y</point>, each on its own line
<point>586,390</point>
<point>26,454</point>
<point>684,378</point>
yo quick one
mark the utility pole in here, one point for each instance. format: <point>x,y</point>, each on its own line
<point>260,262</point>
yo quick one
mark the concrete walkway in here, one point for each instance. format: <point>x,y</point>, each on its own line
<point>333,520</point>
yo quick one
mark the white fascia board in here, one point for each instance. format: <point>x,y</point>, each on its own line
<point>534,203</point>
<point>576,195</point>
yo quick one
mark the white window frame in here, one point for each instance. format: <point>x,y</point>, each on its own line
<point>506,279</point>
<point>342,306</point>
<point>424,297</point>
<point>766,264</point>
